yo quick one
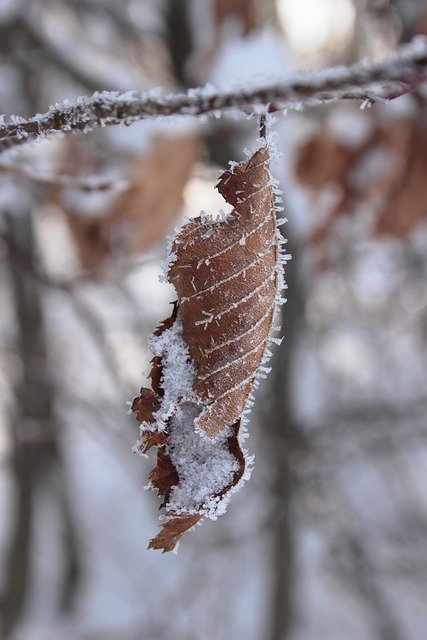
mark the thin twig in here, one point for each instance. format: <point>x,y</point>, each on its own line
<point>91,183</point>
<point>370,82</point>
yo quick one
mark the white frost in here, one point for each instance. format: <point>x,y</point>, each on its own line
<point>205,467</point>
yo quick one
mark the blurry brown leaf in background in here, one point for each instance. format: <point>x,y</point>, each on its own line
<point>323,160</point>
<point>243,10</point>
<point>405,183</point>
<point>149,209</point>
<point>135,219</point>
<point>384,175</point>
<point>242,17</point>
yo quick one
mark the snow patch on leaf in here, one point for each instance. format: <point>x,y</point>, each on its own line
<point>178,372</point>
<point>204,467</point>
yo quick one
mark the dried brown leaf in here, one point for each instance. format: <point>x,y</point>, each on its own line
<point>227,275</point>
<point>172,531</point>
<point>226,278</point>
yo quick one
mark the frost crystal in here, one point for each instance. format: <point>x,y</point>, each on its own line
<point>205,467</point>
<point>178,371</point>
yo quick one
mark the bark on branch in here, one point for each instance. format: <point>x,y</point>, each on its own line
<point>367,81</point>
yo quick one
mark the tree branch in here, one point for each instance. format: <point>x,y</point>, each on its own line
<point>370,82</point>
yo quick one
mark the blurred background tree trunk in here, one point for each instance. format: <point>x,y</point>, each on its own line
<point>36,462</point>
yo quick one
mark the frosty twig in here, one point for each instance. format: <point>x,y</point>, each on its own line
<point>370,82</point>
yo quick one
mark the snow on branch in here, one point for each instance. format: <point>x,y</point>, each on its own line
<point>370,82</point>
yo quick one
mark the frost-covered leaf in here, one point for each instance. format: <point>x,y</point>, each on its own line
<point>208,355</point>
